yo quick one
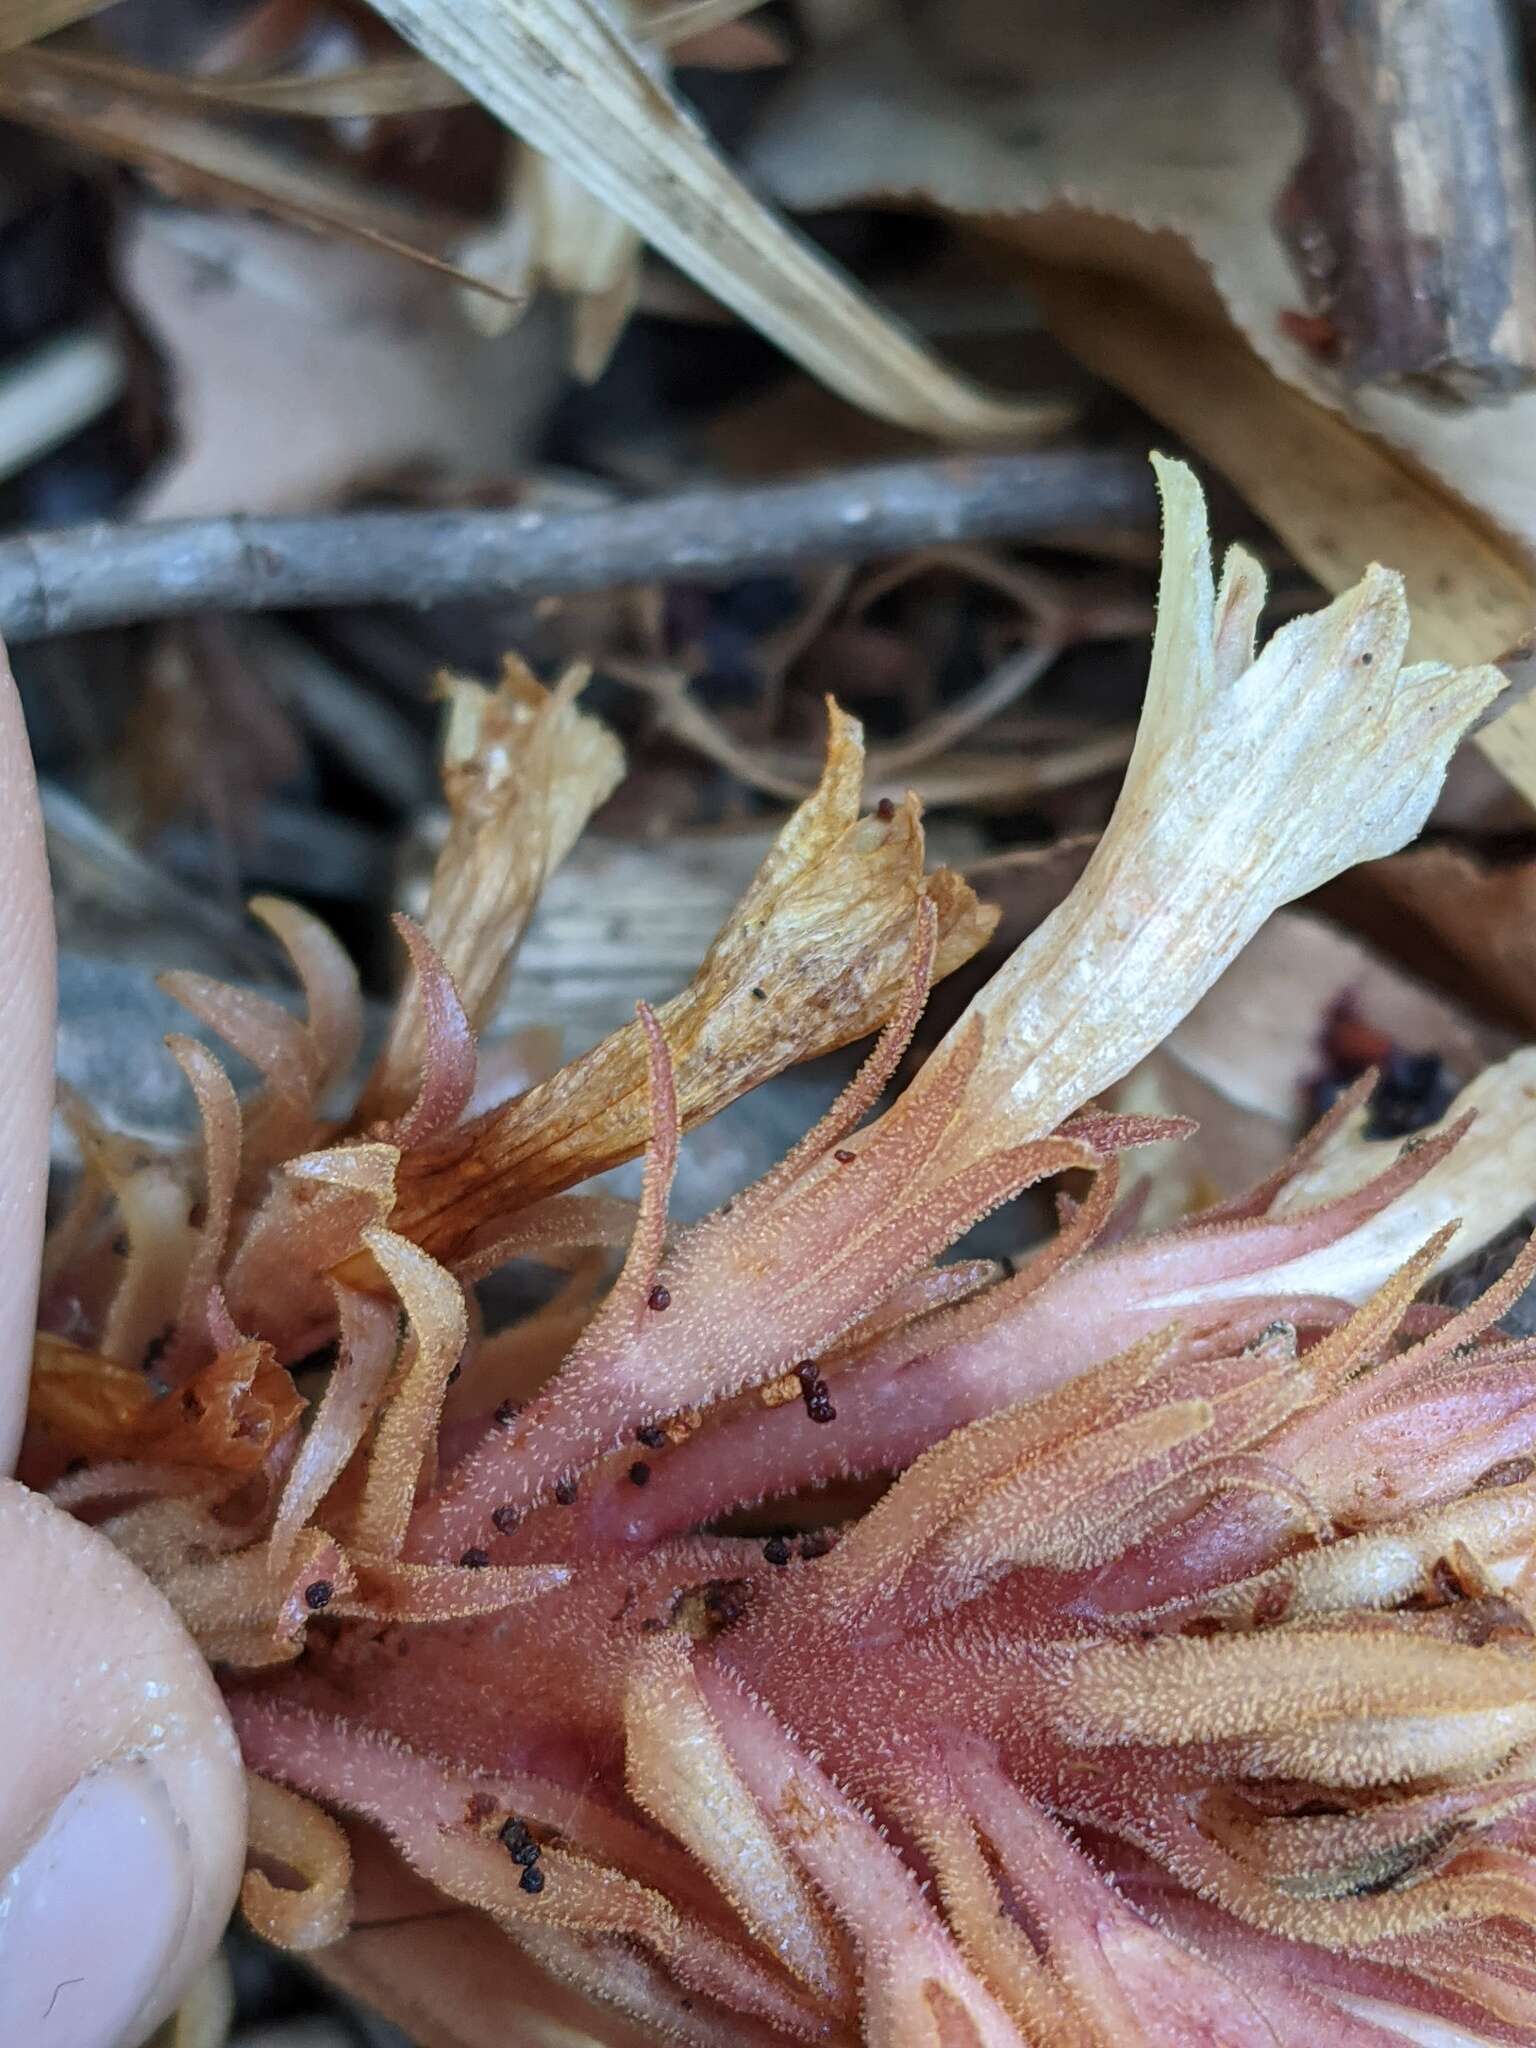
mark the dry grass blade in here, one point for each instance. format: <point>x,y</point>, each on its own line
<point>207,162</point>
<point>390,85</point>
<point>24,21</point>
<point>563,77</point>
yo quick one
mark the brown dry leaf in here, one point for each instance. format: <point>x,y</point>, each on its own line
<point>813,957</point>
<point>565,76</point>
<point>226,1419</point>
<point>364,360</point>
<point>1131,162</point>
<point>523,770</point>
<point>200,161</point>
<point>1467,926</point>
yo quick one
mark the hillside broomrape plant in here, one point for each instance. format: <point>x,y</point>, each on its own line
<point>1179,1683</point>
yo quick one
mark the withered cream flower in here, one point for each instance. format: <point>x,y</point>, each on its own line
<point>523,771</point>
<point>1255,778</point>
<point>1166,1671</point>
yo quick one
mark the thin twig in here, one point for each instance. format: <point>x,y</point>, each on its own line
<point>75,578</point>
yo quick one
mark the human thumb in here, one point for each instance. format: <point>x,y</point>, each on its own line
<point>121,1793</point>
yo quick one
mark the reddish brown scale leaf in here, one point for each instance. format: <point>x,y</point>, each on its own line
<point>448,1054</point>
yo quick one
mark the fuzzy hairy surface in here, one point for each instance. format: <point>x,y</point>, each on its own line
<point>792,1637</point>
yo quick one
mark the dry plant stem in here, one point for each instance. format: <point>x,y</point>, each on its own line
<point>1410,213</point>
<point>77,578</point>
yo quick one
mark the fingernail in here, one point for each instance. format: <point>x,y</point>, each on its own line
<point>91,1915</point>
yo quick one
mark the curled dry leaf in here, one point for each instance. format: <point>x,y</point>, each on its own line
<point>228,1417</point>
<point>1130,164</point>
<point>523,770</point>
<point>812,959</point>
